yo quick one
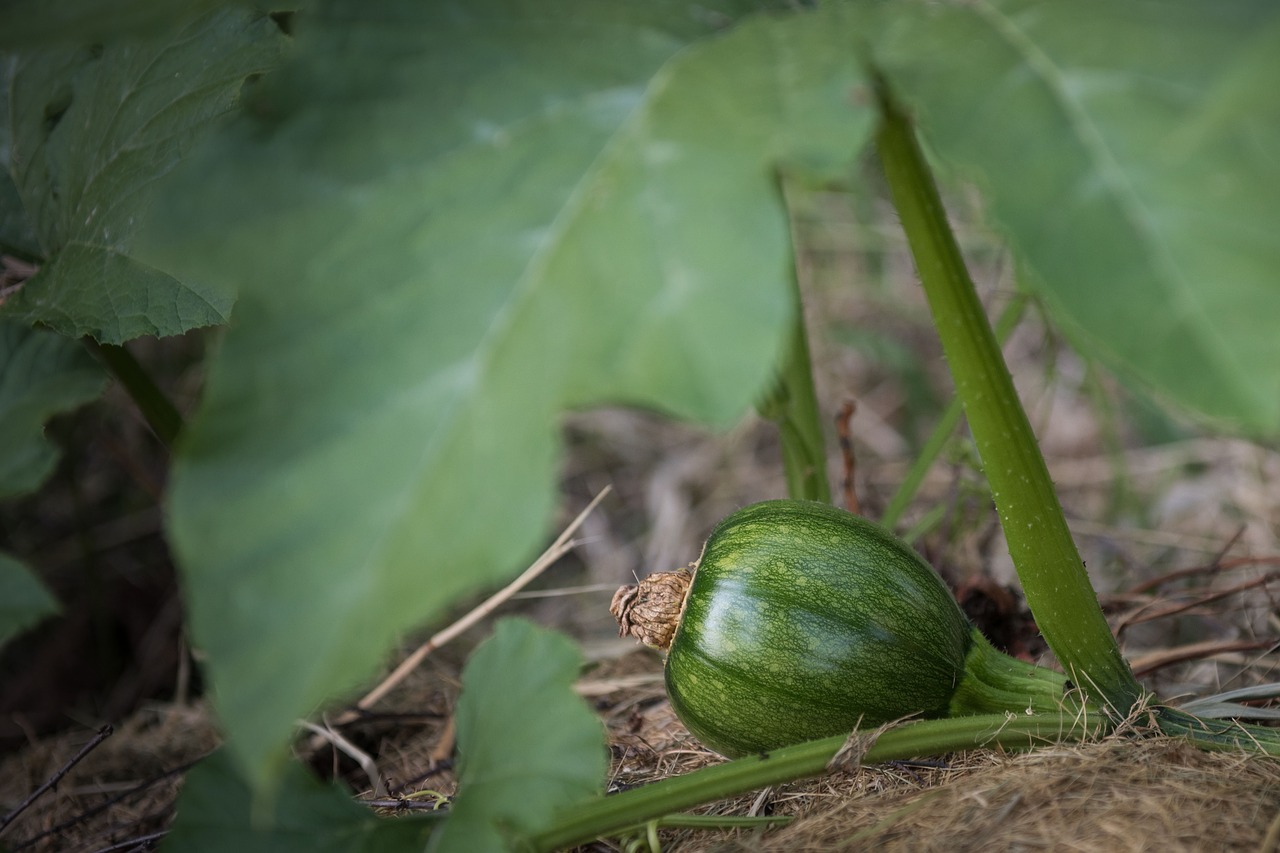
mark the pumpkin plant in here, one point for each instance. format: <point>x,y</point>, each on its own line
<point>437,221</point>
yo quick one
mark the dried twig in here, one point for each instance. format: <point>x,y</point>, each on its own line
<point>1160,658</point>
<point>52,782</point>
<point>361,757</point>
<point>846,453</point>
<point>402,805</point>
<point>443,750</point>
<point>848,758</point>
<point>103,806</point>
<point>1145,613</point>
<point>142,842</point>
<point>563,545</point>
<point>14,272</point>
<point>433,770</point>
<point>1214,567</point>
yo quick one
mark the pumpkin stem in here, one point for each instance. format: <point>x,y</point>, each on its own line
<point>650,610</point>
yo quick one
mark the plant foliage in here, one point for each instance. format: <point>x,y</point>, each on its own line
<point>90,131</point>
<point>448,226</point>
<point>23,599</point>
<point>449,222</point>
<point>41,375</point>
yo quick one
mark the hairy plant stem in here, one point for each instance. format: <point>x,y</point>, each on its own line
<point>1217,735</point>
<point>792,404</point>
<point>910,740</point>
<point>945,427</point>
<point>995,682</point>
<point>160,414</point>
<point>1053,577</point>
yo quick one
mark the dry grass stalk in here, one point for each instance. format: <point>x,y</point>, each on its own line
<point>561,546</point>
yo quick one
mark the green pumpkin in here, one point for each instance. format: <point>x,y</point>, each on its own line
<point>802,621</point>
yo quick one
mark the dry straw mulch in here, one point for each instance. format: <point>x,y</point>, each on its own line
<point>122,791</point>
<point>1119,794</point>
<point>1116,795</point>
<point>1112,796</point>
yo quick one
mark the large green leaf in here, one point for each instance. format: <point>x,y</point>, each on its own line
<point>23,599</point>
<point>26,23</point>
<point>528,745</point>
<point>41,375</point>
<point>1129,151</point>
<point>217,812</point>
<point>448,223</point>
<point>92,130</point>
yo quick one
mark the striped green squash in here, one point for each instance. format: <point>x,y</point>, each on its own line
<point>801,621</point>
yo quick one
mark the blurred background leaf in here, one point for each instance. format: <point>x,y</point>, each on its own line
<point>25,24</point>
<point>448,224</point>
<point>1128,153</point>
<point>217,812</point>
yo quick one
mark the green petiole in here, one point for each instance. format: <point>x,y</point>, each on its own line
<point>1053,577</point>
<point>160,413</point>
<point>910,740</point>
<point>792,404</point>
<point>943,431</point>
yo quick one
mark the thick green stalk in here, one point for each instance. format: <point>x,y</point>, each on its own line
<point>161,415</point>
<point>995,682</point>
<point>719,821</point>
<point>792,404</point>
<point>912,740</point>
<point>1053,577</point>
<point>947,424</point>
<point>1217,735</point>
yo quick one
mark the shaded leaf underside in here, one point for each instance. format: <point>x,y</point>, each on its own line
<point>1129,154</point>
<point>448,223</point>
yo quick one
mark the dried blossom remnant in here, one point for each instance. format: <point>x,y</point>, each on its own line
<point>650,610</point>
